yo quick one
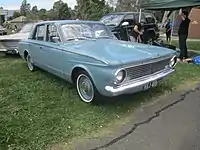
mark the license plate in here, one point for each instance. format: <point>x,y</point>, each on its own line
<point>150,85</point>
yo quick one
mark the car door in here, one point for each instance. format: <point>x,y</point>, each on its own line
<point>36,45</point>
<point>52,51</point>
<point>126,31</point>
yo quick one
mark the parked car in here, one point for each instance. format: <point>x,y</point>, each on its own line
<point>2,30</point>
<point>87,54</point>
<point>9,43</point>
<point>122,24</point>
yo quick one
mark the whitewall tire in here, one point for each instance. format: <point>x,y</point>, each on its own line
<point>86,88</point>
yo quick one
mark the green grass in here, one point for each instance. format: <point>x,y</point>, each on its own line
<point>192,45</point>
<point>38,110</point>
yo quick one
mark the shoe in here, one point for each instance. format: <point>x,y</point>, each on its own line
<point>179,60</point>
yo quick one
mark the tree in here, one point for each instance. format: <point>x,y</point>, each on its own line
<point>61,10</point>
<point>35,9</point>
<point>64,12</point>
<point>25,7</point>
<point>126,5</point>
<point>16,14</point>
<point>42,13</point>
<point>91,9</point>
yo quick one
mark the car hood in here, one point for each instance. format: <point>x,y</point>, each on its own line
<point>116,52</point>
<point>17,36</point>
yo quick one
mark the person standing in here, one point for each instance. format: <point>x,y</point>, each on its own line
<point>183,35</point>
<point>137,33</point>
<point>168,28</point>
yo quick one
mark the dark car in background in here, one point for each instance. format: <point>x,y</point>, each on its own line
<point>117,22</point>
<point>2,31</point>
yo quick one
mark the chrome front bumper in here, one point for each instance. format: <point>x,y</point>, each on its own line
<point>137,85</point>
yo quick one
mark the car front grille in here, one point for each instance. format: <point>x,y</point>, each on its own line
<point>146,69</point>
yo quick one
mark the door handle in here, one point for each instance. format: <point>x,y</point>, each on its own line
<point>40,47</point>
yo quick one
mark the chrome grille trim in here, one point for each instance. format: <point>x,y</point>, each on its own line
<point>146,69</point>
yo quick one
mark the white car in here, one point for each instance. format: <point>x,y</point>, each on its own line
<point>9,43</point>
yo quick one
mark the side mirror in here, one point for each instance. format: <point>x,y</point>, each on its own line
<point>125,24</point>
<point>56,39</point>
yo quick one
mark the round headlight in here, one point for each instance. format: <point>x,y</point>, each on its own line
<point>172,62</point>
<point>120,76</point>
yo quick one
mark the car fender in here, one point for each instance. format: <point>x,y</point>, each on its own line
<point>86,69</point>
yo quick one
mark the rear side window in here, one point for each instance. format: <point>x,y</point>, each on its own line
<point>39,33</point>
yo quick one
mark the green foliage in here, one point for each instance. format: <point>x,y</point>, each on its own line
<point>61,10</point>
<point>85,9</point>
<point>91,9</point>
<point>25,8</point>
<point>16,14</point>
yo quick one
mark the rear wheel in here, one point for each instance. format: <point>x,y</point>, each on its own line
<point>86,88</point>
<point>30,64</point>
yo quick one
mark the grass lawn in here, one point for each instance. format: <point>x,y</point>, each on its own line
<point>38,110</point>
<point>192,45</point>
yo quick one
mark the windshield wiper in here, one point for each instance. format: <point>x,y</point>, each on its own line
<point>111,24</point>
<point>79,38</point>
<point>106,37</point>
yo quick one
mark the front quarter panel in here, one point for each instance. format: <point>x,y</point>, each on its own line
<point>100,72</point>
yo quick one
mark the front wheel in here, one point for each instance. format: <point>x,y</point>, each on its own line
<point>86,89</point>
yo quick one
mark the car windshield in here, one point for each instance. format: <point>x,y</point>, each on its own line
<point>113,19</point>
<point>83,31</point>
<point>26,28</point>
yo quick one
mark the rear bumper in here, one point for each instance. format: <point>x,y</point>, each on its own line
<point>13,51</point>
<point>137,85</point>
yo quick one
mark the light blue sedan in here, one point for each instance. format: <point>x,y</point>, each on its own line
<point>87,54</point>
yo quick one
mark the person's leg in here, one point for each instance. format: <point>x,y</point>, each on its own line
<point>184,45</point>
<point>170,37</point>
<point>181,46</point>
<point>186,50</point>
<point>166,37</point>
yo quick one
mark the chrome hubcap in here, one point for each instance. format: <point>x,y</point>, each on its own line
<point>30,63</point>
<point>85,88</point>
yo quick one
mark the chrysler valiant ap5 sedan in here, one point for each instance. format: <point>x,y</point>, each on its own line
<point>87,54</point>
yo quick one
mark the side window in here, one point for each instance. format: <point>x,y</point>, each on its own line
<point>143,19</point>
<point>39,33</point>
<point>136,18</point>
<point>130,19</point>
<point>51,33</point>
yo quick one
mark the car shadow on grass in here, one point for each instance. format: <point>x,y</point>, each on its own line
<point>9,56</point>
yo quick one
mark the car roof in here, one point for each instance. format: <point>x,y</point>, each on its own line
<point>67,21</point>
